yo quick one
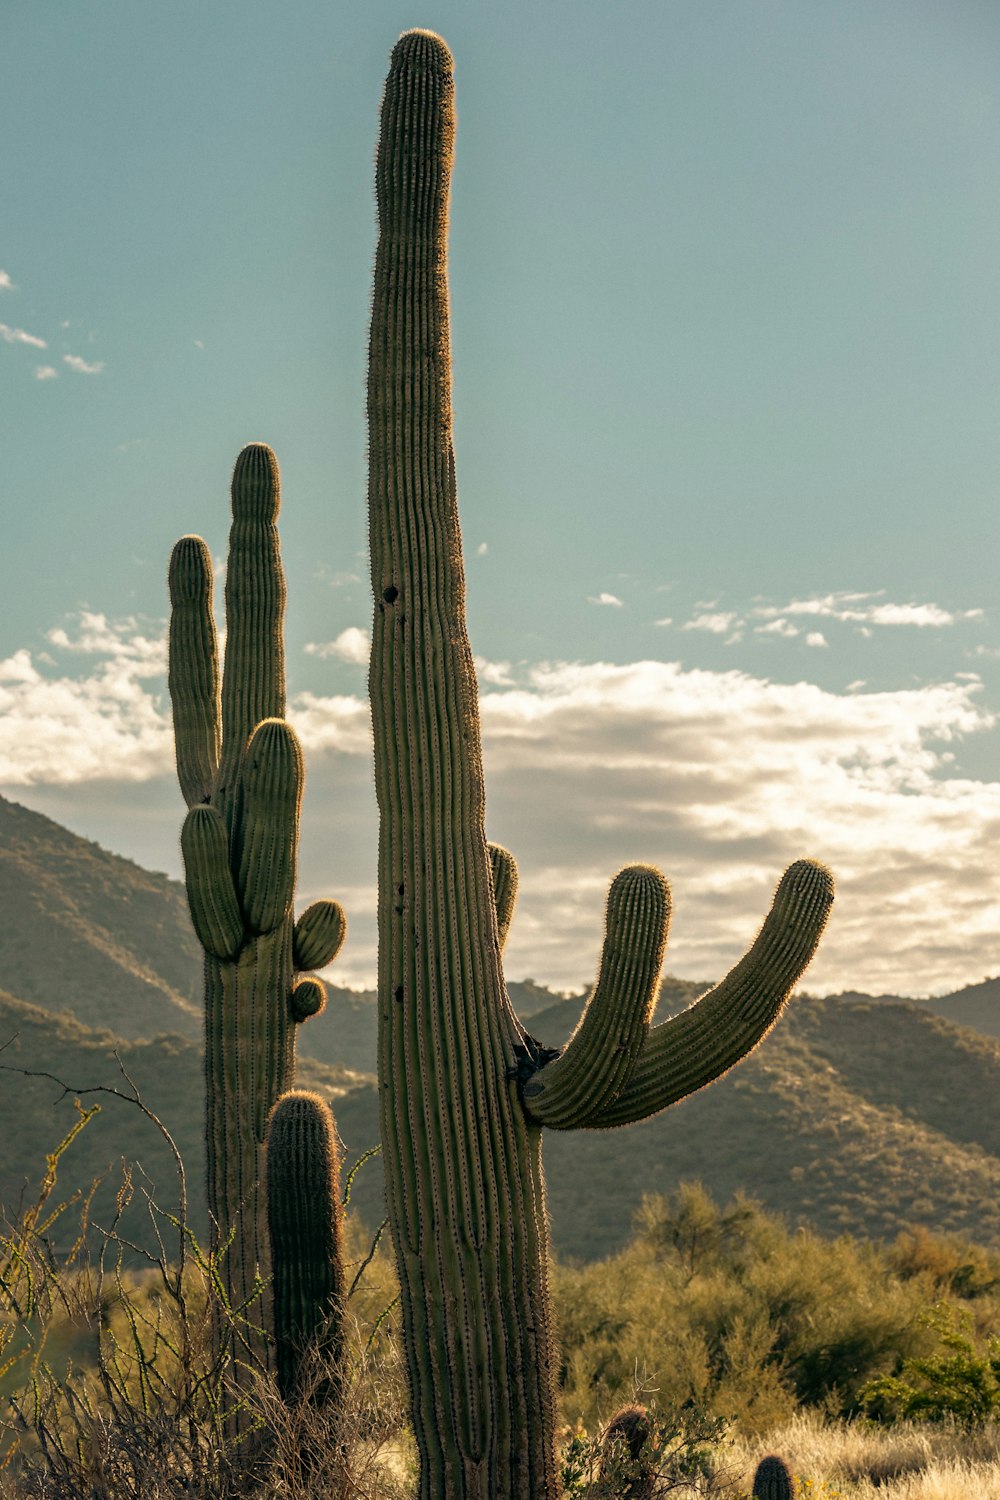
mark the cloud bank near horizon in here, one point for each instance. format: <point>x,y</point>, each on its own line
<point>721,778</point>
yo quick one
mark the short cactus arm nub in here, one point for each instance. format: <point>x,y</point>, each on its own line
<point>503,869</point>
<point>193,671</point>
<point>599,1057</point>
<point>705,1041</point>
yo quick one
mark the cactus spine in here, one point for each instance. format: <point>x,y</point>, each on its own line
<point>240,769</point>
<point>305,1221</point>
<point>464,1090</point>
<point>774,1480</point>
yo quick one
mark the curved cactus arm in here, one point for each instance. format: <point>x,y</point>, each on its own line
<point>253,681</point>
<point>707,1039</point>
<point>597,1061</point>
<point>215,909</point>
<point>193,670</point>
<point>272,795</point>
<point>503,869</point>
<point>319,935</point>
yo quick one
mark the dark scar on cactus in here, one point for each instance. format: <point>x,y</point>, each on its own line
<point>532,1057</point>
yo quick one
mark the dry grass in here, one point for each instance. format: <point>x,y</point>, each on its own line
<point>857,1461</point>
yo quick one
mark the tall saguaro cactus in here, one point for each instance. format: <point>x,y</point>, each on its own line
<point>464,1090</point>
<point>240,769</point>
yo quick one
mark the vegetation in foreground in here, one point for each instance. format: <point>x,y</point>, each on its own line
<point>737,1336</point>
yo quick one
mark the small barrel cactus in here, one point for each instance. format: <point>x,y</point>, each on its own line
<point>626,1442</point>
<point>774,1480</point>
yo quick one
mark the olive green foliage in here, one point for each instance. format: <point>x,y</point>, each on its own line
<point>644,1451</point>
<point>959,1382</point>
<point>726,1306</point>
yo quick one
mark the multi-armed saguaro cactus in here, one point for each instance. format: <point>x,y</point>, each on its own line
<point>240,769</point>
<point>464,1090</point>
<point>305,1219</point>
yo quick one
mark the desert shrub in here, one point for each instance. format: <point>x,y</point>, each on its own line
<point>727,1307</point>
<point>676,1452</point>
<point>957,1382</point>
<point>115,1387</point>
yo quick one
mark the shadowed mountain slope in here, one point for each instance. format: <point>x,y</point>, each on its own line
<point>857,1113</point>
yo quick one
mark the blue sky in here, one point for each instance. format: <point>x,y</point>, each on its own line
<point>725,310</point>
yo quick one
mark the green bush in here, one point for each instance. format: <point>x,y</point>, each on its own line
<point>958,1382</point>
<point>726,1307</point>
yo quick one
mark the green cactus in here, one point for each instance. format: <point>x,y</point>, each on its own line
<point>305,1222</point>
<point>464,1090</point>
<point>240,769</point>
<point>774,1480</point>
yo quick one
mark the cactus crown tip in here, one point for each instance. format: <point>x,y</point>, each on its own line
<point>256,488</point>
<point>422,45</point>
<point>189,575</point>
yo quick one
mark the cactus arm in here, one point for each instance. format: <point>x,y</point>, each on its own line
<point>272,796</point>
<point>503,871</point>
<point>599,1057</point>
<point>319,935</point>
<point>253,681</point>
<point>212,900</point>
<point>307,998</point>
<point>706,1040</point>
<point>193,672</point>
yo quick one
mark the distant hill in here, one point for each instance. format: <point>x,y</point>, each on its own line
<point>90,933</point>
<point>858,1113</point>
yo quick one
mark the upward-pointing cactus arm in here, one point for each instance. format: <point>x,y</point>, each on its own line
<point>253,681</point>
<point>193,671</point>
<point>706,1040</point>
<point>599,1057</point>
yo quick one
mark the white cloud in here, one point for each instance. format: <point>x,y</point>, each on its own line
<point>781,627</point>
<point>46,372</point>
<point>63,729</point>
<point>353,645</point>
<point>717,623</point>
<point>18,336</point>
<point>863,608</point>
<point>722,778</point>
<point>494,673</point>
<point>6,285</point>
<point>816,638</point>
<point>482,549</point>
<point>81,366</point>
<point>667,620</point>
<point>120,641</point>
<point>607,599</point>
